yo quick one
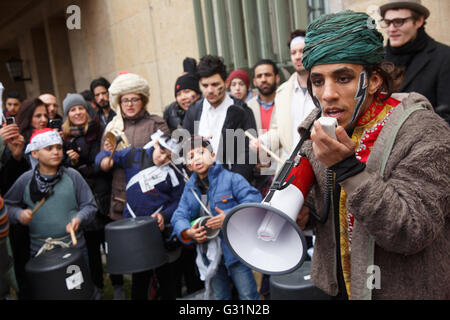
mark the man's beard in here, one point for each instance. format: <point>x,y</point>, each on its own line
<point>106,106</point>
<point>268,91</point>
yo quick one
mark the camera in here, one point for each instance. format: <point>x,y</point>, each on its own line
<point>76,131</point>
<point>55,124</point>
<point>10,120</point>
<point>71,145</point>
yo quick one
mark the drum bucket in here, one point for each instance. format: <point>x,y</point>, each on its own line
<point>134,245</point>
<point>296,285</point>
<point>59,274</point>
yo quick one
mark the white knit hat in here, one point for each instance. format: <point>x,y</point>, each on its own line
<point>125,83</point>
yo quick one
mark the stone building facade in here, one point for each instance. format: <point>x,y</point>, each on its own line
<point>148,37</point>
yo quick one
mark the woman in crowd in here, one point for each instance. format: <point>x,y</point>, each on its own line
<point>238,83</point>
<point>133,123</point>
<point>82,139</point>
<point>187,92</point>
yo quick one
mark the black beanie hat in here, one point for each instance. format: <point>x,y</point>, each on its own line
<point>187,81</point>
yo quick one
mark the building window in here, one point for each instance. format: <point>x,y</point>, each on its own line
<point>245,31</point>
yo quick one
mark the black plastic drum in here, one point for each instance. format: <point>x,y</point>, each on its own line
<point>296,286</point>
<point>59,274</point>
<point>134,245</point>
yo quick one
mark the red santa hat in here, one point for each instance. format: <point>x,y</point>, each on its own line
<point>43,138</point>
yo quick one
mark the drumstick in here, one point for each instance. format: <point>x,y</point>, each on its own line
<point>186,177</point>
<point>41,203</point>
<point>262,146</point>
<point>38,206</point>
<point>112,153</point>
<point>201,203</point>
<point>118,140</point>
<point>74,238</point>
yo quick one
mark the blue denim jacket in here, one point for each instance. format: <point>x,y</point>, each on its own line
<point>226,190</point>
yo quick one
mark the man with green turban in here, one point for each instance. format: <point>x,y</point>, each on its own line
<point>379,204</point>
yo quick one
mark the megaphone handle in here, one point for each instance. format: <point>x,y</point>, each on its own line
<point>278,183</point>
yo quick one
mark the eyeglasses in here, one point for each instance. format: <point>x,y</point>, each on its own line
<point>398,22</point>
<point>132,101</point>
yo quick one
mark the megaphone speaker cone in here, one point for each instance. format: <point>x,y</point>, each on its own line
<point>283,255</point>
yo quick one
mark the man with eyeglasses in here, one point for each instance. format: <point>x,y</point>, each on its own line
<point>421,64</point>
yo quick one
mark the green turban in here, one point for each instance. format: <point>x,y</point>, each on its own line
<point>344,37</point>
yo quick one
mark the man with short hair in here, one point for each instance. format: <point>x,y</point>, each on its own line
<point>266,78</point>
<point>99,88</point>
<point>52,105</point>
<point>293,103</point>
<point>380,200</point>
<point>218,112</point>
<point>422,64</point>
<point>13,102</point>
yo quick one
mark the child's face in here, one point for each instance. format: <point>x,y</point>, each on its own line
<point>199,160</point>
<point>160,155</point>
<point>50,156</point>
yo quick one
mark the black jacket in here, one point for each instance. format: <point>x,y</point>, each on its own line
<point>87,145</point>
<point>174,116</point>
<point>239,116</point>
<point>429,74</point>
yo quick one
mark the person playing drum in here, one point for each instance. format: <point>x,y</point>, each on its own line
<point>221,190</point>
<point>57,200</point>
<point>153,188</point>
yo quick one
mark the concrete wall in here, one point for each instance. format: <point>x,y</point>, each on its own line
<point>150,38</point>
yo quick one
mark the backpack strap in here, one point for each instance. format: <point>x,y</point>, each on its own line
<point>390,142</point>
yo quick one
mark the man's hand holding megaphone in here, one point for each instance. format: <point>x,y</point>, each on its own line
<point>303,217</point>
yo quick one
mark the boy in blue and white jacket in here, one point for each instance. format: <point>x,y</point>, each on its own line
<point>223,190</point>
<point>152,185</point>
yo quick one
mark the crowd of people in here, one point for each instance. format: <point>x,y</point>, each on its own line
<point>381,190</point>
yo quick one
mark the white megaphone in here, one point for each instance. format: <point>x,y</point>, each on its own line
<point>265,236</point>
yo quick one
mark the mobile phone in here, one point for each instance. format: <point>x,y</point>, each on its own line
<point>55,124</point>
<point>10,120</point>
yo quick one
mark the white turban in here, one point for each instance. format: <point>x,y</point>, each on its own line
<point>125,83</point>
